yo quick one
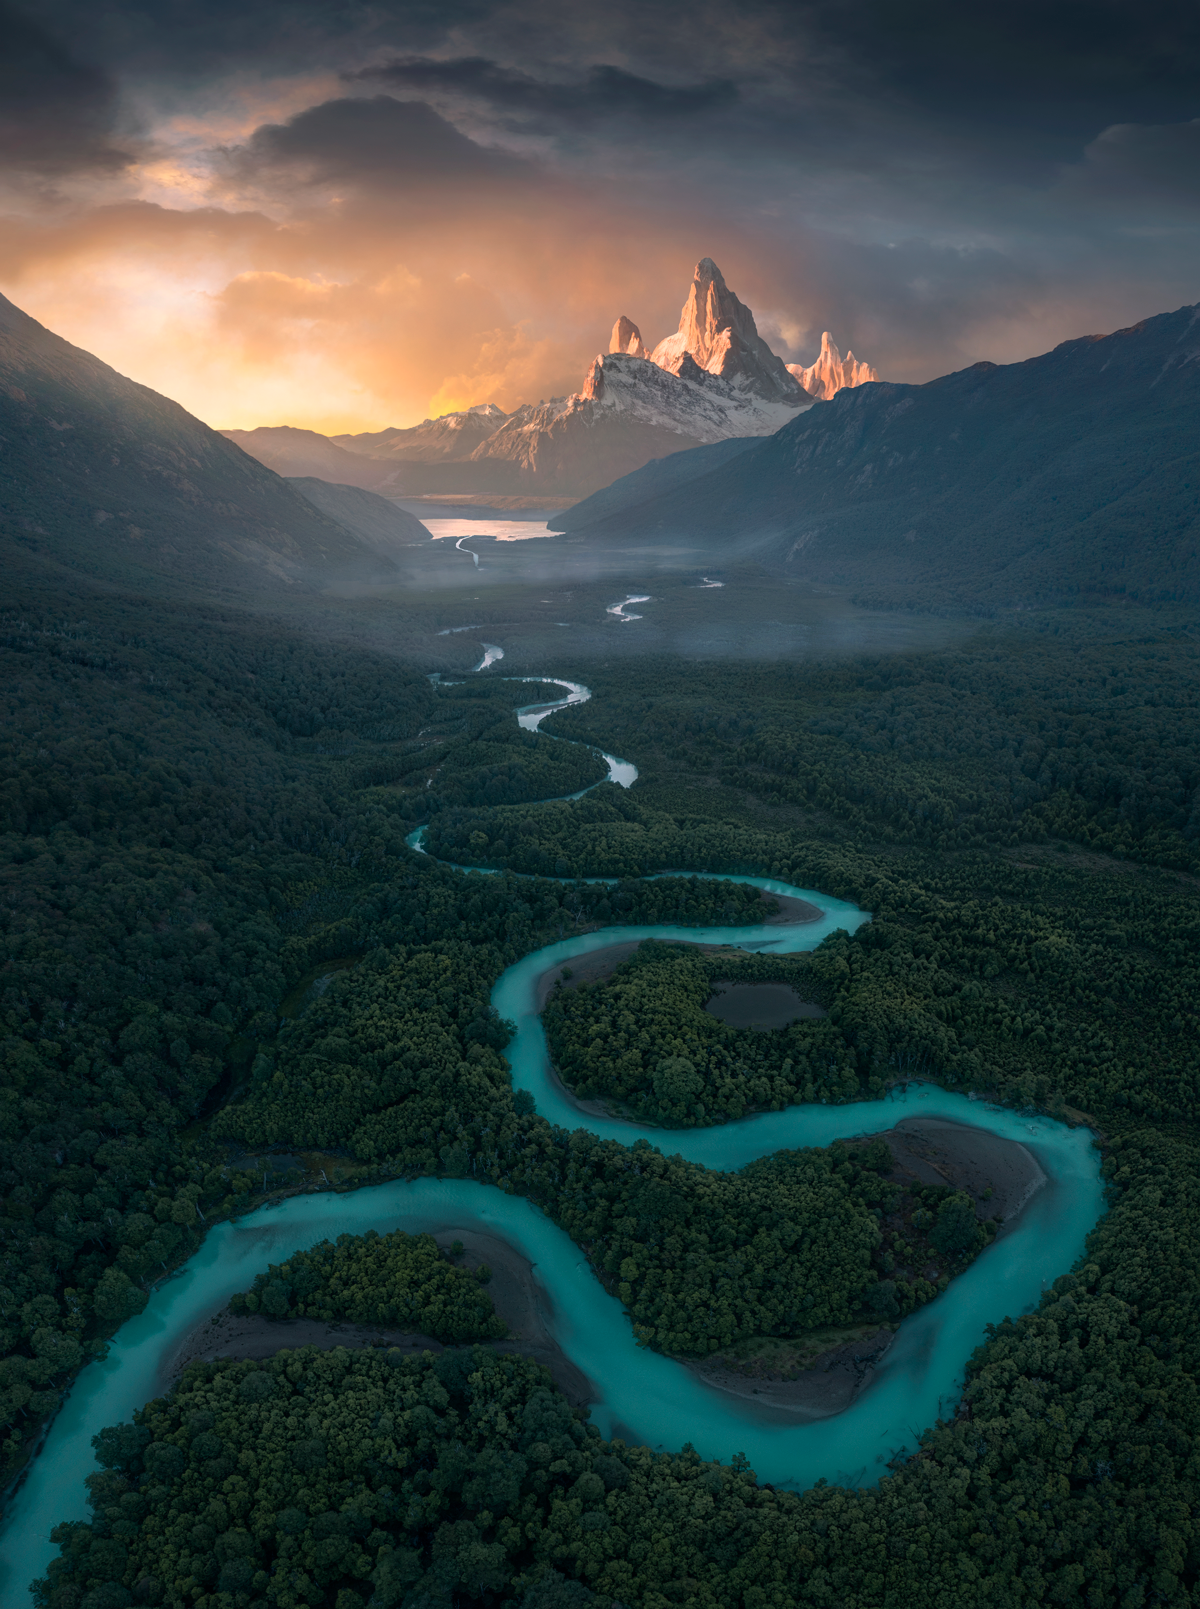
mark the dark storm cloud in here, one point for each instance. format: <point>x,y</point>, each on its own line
<point>185,41</point>
<point>603,92</point>
<point>1137,167</point>
<point>1060,66</point>
<point>377,141</point>
<point>934,181</point>
<point>57,115</point>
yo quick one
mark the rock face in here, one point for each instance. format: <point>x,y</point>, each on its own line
<point>450,436</point>
<point>831,372</point>
<point>628,412</point>
<point>719,334</point>
<point>626,337</point>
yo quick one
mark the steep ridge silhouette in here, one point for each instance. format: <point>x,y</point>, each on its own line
<point>106,477</point>
<point>652,480</point>
<point>376,520</point>
<point>293,452</point>
<point>1074,472</point>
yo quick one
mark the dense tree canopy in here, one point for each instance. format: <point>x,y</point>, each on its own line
<point>194,818</point>
<point>394,1279</point>
<point>1066,1476</point>
<point>642,1038</point>
<point>202,818</point>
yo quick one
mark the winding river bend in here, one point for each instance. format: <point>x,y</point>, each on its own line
<point>637,1393</point>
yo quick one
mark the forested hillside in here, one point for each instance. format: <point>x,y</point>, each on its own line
<point>1068,476</point>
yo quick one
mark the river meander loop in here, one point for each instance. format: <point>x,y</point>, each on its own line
<point>638,1394</point>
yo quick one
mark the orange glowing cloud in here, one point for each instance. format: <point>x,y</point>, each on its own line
<point>361,264</point>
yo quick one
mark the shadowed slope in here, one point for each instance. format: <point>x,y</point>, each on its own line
<point>377,520</point>
<point>110,479</point>
<point>1077,471</point>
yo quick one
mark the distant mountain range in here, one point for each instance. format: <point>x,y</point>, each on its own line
<point>107,478</point>
<point>714,379</point>
<point>1074,472</point>
<point>452,436</point>
<point>289,450</point>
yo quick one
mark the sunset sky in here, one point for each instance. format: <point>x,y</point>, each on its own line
<point>353,215</point>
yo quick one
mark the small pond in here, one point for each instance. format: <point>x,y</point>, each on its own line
<point>760,1005</point>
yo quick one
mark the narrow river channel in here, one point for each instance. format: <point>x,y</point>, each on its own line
<point>637,1393</point>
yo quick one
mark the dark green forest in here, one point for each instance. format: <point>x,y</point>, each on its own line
<point>203,814</point>
<point>189,831</point>
<point>348,1478</point>
<point>643,1039</point>
<point>378,1279</point>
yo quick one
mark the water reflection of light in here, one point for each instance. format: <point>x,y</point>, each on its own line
<point>498,530</point>
<point>618,609</point>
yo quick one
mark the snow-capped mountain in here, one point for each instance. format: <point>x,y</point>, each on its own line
<point>629,411</point>
<point>831,372</point>
<point>714,379</point>
<point>451,435</point>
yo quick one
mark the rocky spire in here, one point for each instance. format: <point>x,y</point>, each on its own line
<point>593,386</point>
<point>626,337</point>
<point>720,334</point>
<point>831,372</point>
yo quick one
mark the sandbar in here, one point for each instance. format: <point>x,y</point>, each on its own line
<point>597,965</point>
<point>519,1297</point>
<point>791,910</point>
<point>1001,1177</point>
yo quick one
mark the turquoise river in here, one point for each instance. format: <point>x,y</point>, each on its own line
<point>636,1392</point>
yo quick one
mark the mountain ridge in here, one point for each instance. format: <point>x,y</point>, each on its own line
<point>449,436</point>
<point>292,451</point>
<point>1073,471</point>
<point>713,379</point>
<point>114,481</point>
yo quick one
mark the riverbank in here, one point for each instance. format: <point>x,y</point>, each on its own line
<point>600,964</point>
<point>788,1381</point>
<point>791,910</point>
<point>519,1298</point>
<point>1001,1176</point>
<point>818,1382</point>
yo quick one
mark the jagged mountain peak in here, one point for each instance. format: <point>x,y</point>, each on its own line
<point>718,332</point>
<point>626,337</point>
<point>831,372</point>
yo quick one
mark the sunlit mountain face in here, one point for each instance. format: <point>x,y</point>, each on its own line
<point>354,219</point>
